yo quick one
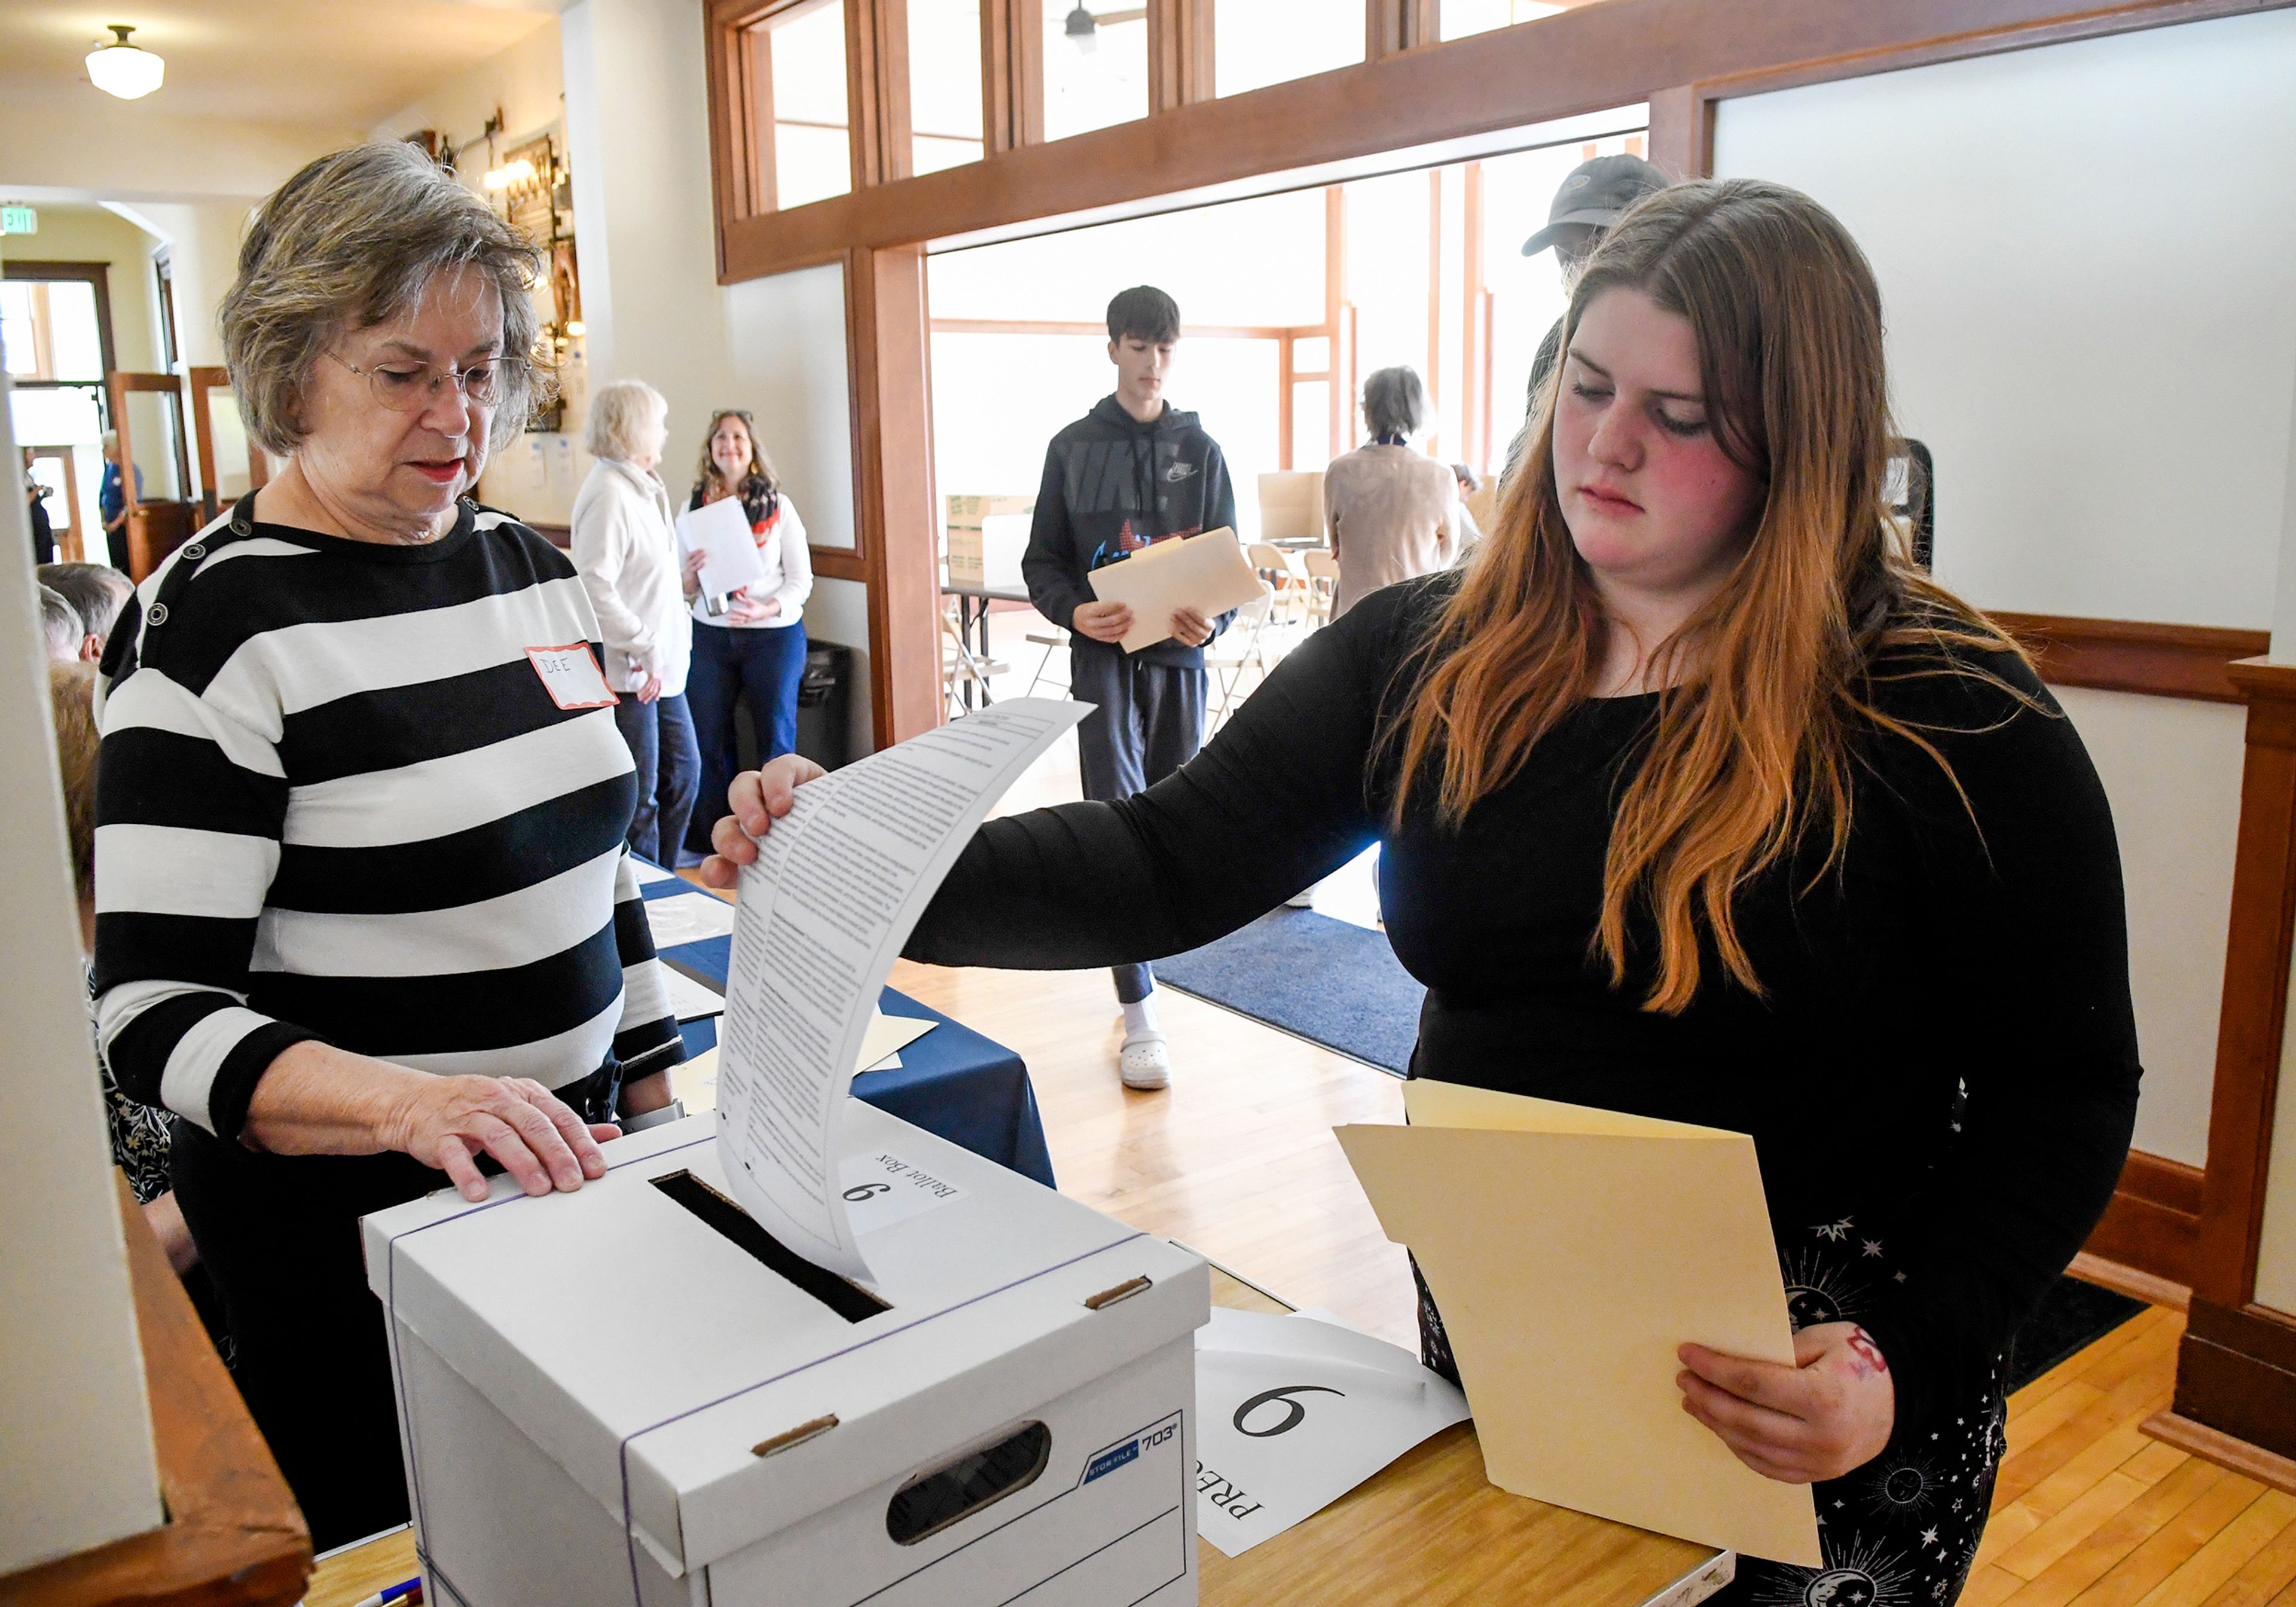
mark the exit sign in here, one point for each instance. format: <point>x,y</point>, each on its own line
<point>19,220</point>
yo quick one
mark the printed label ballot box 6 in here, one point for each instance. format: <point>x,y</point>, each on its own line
<point>630,1394</point>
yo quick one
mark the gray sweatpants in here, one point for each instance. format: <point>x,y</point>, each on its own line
<point>1150,722</point>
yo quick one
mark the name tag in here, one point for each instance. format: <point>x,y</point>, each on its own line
<point>572,677</point>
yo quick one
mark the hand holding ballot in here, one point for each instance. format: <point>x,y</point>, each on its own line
<point>1829,1413</point>
<point>1172,588</point>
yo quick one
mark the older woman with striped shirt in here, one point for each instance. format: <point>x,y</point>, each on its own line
<point>365,914</point>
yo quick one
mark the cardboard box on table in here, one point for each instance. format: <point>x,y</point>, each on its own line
<point>987,537</point>
<point>605,1400</point>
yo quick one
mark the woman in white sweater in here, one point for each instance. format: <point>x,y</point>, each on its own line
<point>750,642</point>
<point>626,548</point>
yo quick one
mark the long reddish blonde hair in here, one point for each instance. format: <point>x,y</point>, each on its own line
<point>1750,750</point>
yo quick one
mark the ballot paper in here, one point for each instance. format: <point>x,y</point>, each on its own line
<point>838,883</point>
<point>689,1000</point>
<point>720,532</point>
<point>650,873</point>
<point>696,1081</point>
<point>1571,1251</point>
<point>687,918</point>
<point>1207,573</point>
<point>887,1036</point>
<point>1293,1412</point>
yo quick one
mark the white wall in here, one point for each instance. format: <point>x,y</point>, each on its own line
<point>76,1466</point>
<point>638,143</point>
<point>2084,259</point>
<point>2171,769</point>
<point>135,151</point>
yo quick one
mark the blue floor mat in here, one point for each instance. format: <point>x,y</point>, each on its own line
<point>1328,981</point>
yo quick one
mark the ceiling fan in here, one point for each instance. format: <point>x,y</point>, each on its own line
<point>1082,26</point>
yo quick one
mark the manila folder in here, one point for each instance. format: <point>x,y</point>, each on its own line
<point>1570,1250</point>
<point>1207,573</point>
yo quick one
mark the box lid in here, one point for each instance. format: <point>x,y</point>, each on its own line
<point>649,1355</point>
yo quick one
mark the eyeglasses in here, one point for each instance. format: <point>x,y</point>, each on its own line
<point>404,387</point>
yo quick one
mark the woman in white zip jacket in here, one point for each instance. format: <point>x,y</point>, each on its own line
<point>626,548</point>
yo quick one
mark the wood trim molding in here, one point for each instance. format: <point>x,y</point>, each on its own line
<point>2198,1439</point>
<point>233,1533</point>
<point>2154,1220</point>
<point>896,530</point>
<point>2128,655</point>
<point>1585,59</point>
<point>2236,1375</point>
<point>2253,1015</point>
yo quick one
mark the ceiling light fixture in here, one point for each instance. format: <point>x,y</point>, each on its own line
<point>126,71</point>
<point>1083,29</point>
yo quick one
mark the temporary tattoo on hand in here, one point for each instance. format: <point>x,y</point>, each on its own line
<point>1868,1354</point>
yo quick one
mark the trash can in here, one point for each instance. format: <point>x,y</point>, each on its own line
<point>824,710</point>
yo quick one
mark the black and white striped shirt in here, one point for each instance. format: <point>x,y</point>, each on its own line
<point>336,800</point>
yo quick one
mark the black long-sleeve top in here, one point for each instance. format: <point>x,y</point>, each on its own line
<point>1944,956</point>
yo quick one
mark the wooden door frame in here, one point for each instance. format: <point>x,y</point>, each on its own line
<point>73,549</point>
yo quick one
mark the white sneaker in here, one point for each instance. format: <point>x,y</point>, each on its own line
<point>1144,1061</point>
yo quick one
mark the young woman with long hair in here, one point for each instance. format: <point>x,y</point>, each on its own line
<point>1698,800</point>
<point>752,640</point>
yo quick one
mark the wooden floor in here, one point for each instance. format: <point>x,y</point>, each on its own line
<point>1237,1160</point>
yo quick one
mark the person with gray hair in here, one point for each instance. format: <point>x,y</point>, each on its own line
<point>59,627</point>
<point>96,592</point>
<point>626,548</point>
<point>366,912</point>
<point>1391,512</point>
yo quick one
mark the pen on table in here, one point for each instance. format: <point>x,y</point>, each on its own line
<point>407,1593</point>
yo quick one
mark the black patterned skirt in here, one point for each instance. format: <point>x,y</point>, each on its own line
<point>1902,1530</point>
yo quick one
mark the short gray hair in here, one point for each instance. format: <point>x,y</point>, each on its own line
<point>59,625</point>
<point>352,241</point>
<point>1395,403</point>
<point>96,592</point>
<point>619,415</point>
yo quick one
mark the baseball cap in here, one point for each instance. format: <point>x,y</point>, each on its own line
<point>1599,192</point>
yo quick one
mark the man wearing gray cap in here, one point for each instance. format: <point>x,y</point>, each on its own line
<point>1590,203</point>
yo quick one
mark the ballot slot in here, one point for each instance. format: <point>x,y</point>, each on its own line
<point>731,1222</point>
<point>961,1486</point>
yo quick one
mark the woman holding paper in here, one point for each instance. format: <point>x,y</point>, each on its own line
<point>628,556</point>
<point>1697,800</point>
<point>752,639</point>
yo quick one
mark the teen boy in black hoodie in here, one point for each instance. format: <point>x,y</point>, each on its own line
<point>1130,473</point>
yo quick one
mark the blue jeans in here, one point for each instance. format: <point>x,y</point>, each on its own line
<point>661,737</point>
<point>765,663</point>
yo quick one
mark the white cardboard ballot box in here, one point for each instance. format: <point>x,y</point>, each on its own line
<point>607,1399</point>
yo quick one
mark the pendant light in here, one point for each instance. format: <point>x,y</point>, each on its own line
<point>126,71</point>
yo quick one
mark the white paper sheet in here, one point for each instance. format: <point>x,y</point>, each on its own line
<point>690,1000</point>
<point>687,918</point>
<point>1293,1412</point>
<point>648,874</point>
<point>1207,573</point>
<point>838,884</point>
<point>888,1035</point>
<point>721,531</point>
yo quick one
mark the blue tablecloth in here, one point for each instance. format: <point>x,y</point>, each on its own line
<point>952,1081</point>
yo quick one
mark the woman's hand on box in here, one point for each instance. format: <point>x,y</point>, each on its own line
<point>758,797</point>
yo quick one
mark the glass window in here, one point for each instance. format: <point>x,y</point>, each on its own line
<point>1256,43</point>
<point>1311,423</point>
<point>1311,354</point>
<point>944,84</point>
<point>812,143</point>
<point>1460,18</point>
<point>1095,66</point>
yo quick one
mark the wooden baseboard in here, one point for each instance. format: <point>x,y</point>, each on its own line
<point>2136,655</point>
<point>2236,1375</point>
<point>2124,1279</point>
<point>2209,1445</point>
<point>2152,1224</point>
